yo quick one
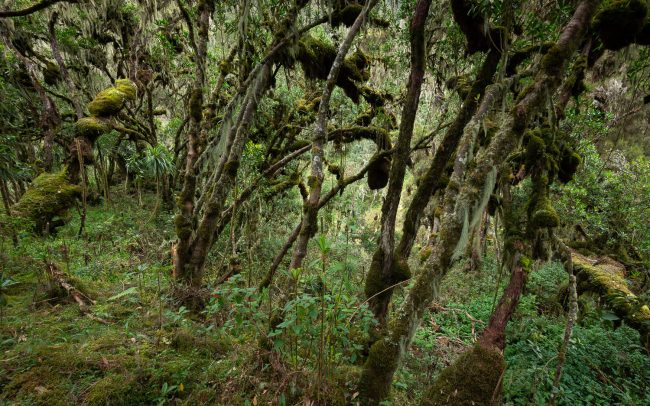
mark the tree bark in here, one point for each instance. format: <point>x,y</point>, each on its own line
<point>382,271</point>
<point>462,203</point>
<point>309,221</point>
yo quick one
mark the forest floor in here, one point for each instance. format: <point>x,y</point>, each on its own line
<point>134,346</point>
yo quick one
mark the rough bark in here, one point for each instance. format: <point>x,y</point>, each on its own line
<point>383,269</point>
<point>308,226</point>
<point>461,204</point>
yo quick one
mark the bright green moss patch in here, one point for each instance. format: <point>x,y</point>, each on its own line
<point>50,196</point>
<point>91,127</point>
<point>110,101</point>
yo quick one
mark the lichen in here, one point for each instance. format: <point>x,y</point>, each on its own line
<point>473,379</point>
<point>50,196</point>
<point>618,22</point>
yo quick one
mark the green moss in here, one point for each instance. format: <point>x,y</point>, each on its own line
<point>545,215</point>
<point>122,389</point>
<point>376,282</point>
<point>110,101</point>
<point>187,341</point>
<point>91,127</point>
<point>618,22</point>
<point>316,57</point>
<point>535,149</point>
<point>196,104</point>
<point>474,379</point>
<point>606,277</point>
<point>127,88</point>
<point>382,362</point>
<point>49,196</point>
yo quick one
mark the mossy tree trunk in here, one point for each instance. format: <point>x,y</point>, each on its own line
<point>310,211</point>
<point>197,224</point>
<point>462,201</point>
<point>382,271</point>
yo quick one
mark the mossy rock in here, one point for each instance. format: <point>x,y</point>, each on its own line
<point>91,127</point>
<point>50,196</point>
<point>473,379</point>
<point>110,101</point>
<point>618,22</point>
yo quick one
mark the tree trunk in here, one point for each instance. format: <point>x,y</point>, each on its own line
<point>310,217</point>
<point>464,203</point>
<point>387,269</point>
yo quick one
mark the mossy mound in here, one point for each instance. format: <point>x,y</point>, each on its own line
<point>618,22</point>
<point>474,379</point>
<point>110,101</point>
<point>316,57</point>
<point>91,127</point>
<point>606,277</point>
<point>50,195</point>
<point>376,283</point>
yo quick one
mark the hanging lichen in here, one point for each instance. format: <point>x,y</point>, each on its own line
<point>50,196</point>
<point>618,22</point>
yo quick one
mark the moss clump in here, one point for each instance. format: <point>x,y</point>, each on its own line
<point>378,135</point>
<point>568,165</point>
<point>126,87</point>
<point>187,341</point>
<point>474,379</point>
<point>618,22</point>
<point>91,127</point>
<point>196,105</point>
<point>110,101</point>
<point>376,282</point>
<point>382,362</point>
<point>544,214</point>
<point>316,57</point>
<point>378,173</point>
<point>50,196</point>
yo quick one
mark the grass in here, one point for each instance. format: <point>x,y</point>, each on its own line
<point>148,351</point>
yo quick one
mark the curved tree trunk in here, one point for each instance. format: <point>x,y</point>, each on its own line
<point>463,203</point>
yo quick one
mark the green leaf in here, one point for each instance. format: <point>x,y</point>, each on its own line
<point>130,291</point>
